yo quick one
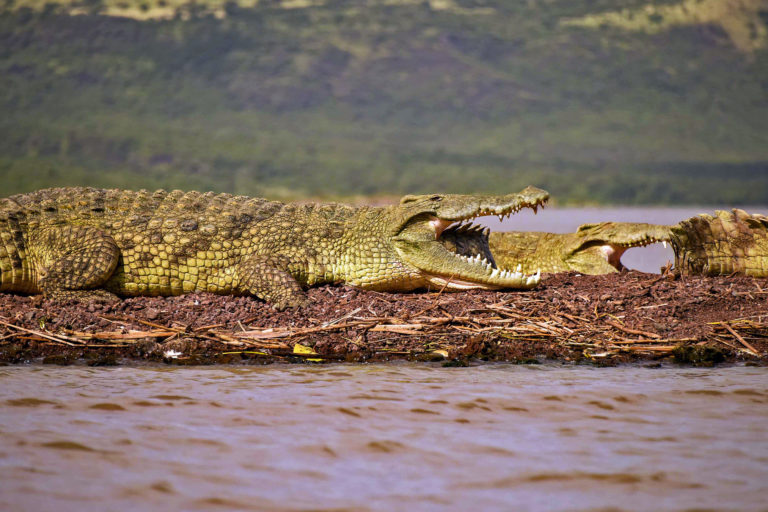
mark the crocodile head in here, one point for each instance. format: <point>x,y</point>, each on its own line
<point>597,248</point>
<point>420,222</point>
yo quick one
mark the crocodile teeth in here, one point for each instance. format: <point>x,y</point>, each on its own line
<point>664,243</point>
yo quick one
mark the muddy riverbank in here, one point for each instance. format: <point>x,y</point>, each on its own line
<point>631,316</point>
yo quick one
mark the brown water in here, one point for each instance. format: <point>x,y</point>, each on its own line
<point>395,437</point>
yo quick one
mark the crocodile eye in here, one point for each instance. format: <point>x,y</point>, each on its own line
<point>436,198</point>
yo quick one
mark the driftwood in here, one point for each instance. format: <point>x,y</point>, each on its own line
<point>571,318</point>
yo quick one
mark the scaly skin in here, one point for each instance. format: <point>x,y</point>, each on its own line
<point>727,243</point>
<point>87,243</point>
<point>592,249</point>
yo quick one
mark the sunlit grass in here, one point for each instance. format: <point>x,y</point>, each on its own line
<point>167,9</point>
<point>739,19</point>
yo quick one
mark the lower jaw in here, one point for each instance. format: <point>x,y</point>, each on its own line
<point>458,284</point>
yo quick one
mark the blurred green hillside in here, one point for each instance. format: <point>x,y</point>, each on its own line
<point>598,101</point>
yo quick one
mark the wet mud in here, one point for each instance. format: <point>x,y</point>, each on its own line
<point>604,320</point>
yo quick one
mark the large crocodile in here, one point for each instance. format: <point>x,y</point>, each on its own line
<point>87,243</point>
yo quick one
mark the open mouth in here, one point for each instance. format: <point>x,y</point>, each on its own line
<point>468,243</point>
<point>613,252</point>
<point>469,262</point>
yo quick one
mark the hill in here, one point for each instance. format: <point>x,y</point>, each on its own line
<point>607,101</point>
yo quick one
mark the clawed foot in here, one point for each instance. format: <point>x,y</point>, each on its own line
<point>295,301</point>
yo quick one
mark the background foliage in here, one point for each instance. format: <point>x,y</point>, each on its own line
<point>340,98</point>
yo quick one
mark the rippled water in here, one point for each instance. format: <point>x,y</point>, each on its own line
<point>396,437</point>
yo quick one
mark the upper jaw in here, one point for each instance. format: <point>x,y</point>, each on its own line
<point>458,208</point>
<point>455,207</point>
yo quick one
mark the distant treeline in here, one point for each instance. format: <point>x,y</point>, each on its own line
<point>339,100</point>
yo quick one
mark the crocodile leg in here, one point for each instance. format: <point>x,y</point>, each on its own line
<point>265,278</point>
<point>73,261</point>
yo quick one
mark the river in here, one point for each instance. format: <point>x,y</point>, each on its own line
<point>383,437</point>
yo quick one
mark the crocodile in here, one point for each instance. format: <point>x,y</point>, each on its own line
<point>592,249</point>
<point>734,242</point>
<point>727,243</point>
<point>87,243</point>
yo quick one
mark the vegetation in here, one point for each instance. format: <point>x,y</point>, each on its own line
<point>339,98</point>
<point>739,19</point>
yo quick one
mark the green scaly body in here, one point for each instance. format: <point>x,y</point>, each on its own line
<point>85,243</point>
<point>732,242</point>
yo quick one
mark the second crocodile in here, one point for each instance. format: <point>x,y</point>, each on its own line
<point>729,242</point>
<point>592,249</point>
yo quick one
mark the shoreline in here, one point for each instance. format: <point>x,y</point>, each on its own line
<point>602,320</point>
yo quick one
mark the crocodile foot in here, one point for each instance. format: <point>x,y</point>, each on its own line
<point>293,301</point>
